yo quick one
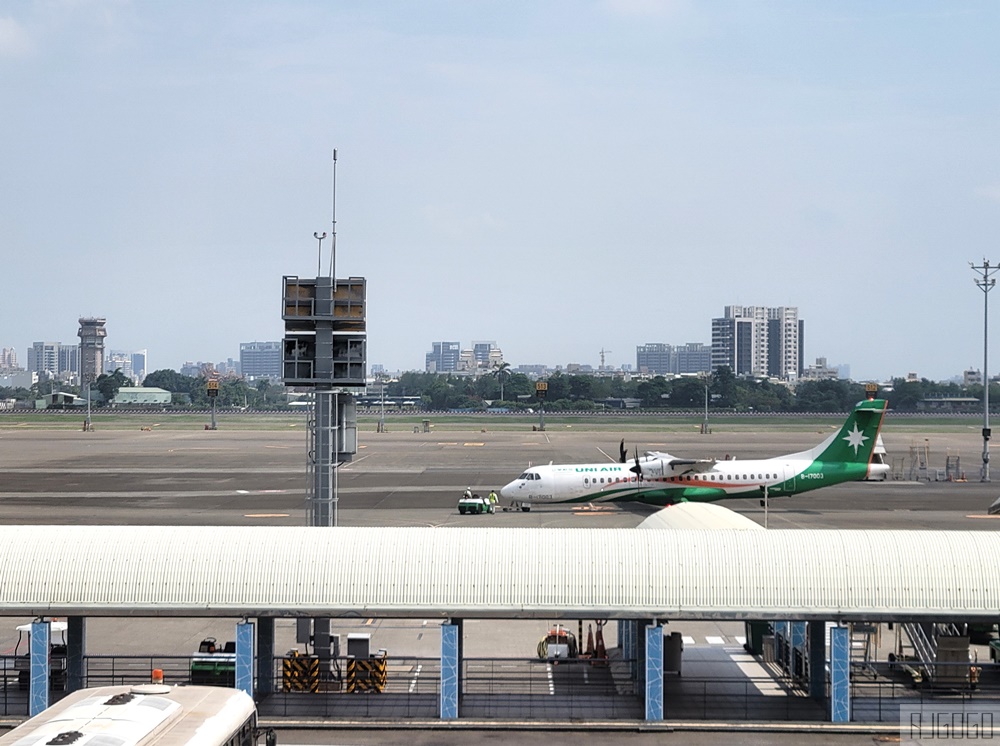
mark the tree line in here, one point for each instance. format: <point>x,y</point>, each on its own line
<point>566,392</point>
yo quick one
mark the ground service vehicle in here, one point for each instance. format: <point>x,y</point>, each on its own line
<point>145,715</point>
<point>475,504</point>
<point>214,665</point>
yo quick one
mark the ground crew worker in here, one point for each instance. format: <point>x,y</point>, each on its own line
<point>493,501</point>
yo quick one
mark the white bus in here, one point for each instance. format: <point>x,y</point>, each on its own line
<point>144,714</point>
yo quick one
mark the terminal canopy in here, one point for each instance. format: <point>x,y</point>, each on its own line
<point>499,572</point>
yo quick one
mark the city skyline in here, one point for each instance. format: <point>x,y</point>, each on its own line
<point>561,179</point>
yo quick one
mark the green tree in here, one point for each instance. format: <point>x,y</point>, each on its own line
<point>109,385</point>
<point>501,372</point>
<point>170,380</point>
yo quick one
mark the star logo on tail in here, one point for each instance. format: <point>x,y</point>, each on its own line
<point>855,439</point>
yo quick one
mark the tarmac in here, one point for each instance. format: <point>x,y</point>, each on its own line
<point>403,478</point>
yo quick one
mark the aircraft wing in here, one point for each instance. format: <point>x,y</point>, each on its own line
<point>683,465</point>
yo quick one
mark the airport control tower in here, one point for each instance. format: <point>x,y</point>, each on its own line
<point>92,334</point>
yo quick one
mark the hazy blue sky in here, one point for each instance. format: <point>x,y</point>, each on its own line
<point>555,176</point>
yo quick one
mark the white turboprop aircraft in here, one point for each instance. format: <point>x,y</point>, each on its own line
<point>661,479</point>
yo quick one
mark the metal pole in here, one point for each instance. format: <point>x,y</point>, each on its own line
<point>381,417</point>
<point>985,282</point>
<point>214,398</point>
<point>541,415</point>
<point>89,424</point>
<point>333,238</point>
<point>319,251</point>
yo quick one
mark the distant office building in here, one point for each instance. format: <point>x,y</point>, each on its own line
<point>655,358</point>
<point>784,332</point>
<point>759,341</point>
<point>972,377</point>
<point>8,359</point>
<point>663,359</point>
<point>229,367</point>
<point>92,334</point>
<point>260,360</point>
<point>139,363</point>
<point>820,371</point>
<point>443,357</point>
<point>487,355</point>
<point>69,360</point>
<point>131,364</point>
<point>377,369</point>
<point>191,370</point>
<point>54,360</point>
<point>18,379</point>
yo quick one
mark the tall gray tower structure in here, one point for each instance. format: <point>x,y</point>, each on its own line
<point>92,334</point>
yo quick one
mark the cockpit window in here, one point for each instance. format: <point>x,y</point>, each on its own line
<point>526,475</point>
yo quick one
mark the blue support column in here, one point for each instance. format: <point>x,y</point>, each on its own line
<point>817,660</point>
<point>840,675</point>
<point>244,657</point>
<point>38,691</point>
<point>450,664</point>
<point>654,672</point>
<point>781,644</point>
<point>265,656</point>
<point>76,650</point>
<point>797,649</point>
<point>628,630</point>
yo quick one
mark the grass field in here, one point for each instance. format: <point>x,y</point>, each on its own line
<point>478,422</point>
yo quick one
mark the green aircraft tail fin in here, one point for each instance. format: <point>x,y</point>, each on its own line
<point>856,439</point>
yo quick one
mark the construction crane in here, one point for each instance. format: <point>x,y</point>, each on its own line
<point>603,353</point>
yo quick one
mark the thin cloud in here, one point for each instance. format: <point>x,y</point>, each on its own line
<point>14,39</point>
<point>643,8</point>
<point>990,192</point>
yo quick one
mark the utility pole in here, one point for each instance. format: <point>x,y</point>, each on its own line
<point>985,282</point>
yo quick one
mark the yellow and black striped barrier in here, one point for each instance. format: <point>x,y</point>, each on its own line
<point>366,675</point>
<point>300,673</point>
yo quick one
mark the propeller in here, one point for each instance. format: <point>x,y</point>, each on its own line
<point>637,469</point>
<point>623,454</point>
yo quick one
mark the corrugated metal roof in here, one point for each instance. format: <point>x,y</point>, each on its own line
<point>688,515</point>
<point>498,572</point>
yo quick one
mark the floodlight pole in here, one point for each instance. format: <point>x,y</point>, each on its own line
<point>985,282</point>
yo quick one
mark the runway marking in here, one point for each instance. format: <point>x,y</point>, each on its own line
<point>988,517</point>
<point>261,492</point>
<point>416,674</point>
<point>714,640</point>
<point>552,685</point>
<point>281,447</point>
<point>476,445</point>
<point>687,640</point>
<point>369,622</point>
<point>448,444</point>
<point>740,639</point>
<point>265,515</point>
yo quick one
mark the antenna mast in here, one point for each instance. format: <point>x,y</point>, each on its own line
<point>333,239</point>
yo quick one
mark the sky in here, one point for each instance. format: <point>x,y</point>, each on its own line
<point>559,177</point>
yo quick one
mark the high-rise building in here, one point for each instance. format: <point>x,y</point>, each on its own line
<point>54,359</point>
<point>92,334</point>
<point>443,357</point>
<point>487,354</point>
<point>131,364</point>
<point>260,360</point>
<point>784,359</point>
<point>8,359</point>
<point>139,363</point>
<point>758,341</point>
